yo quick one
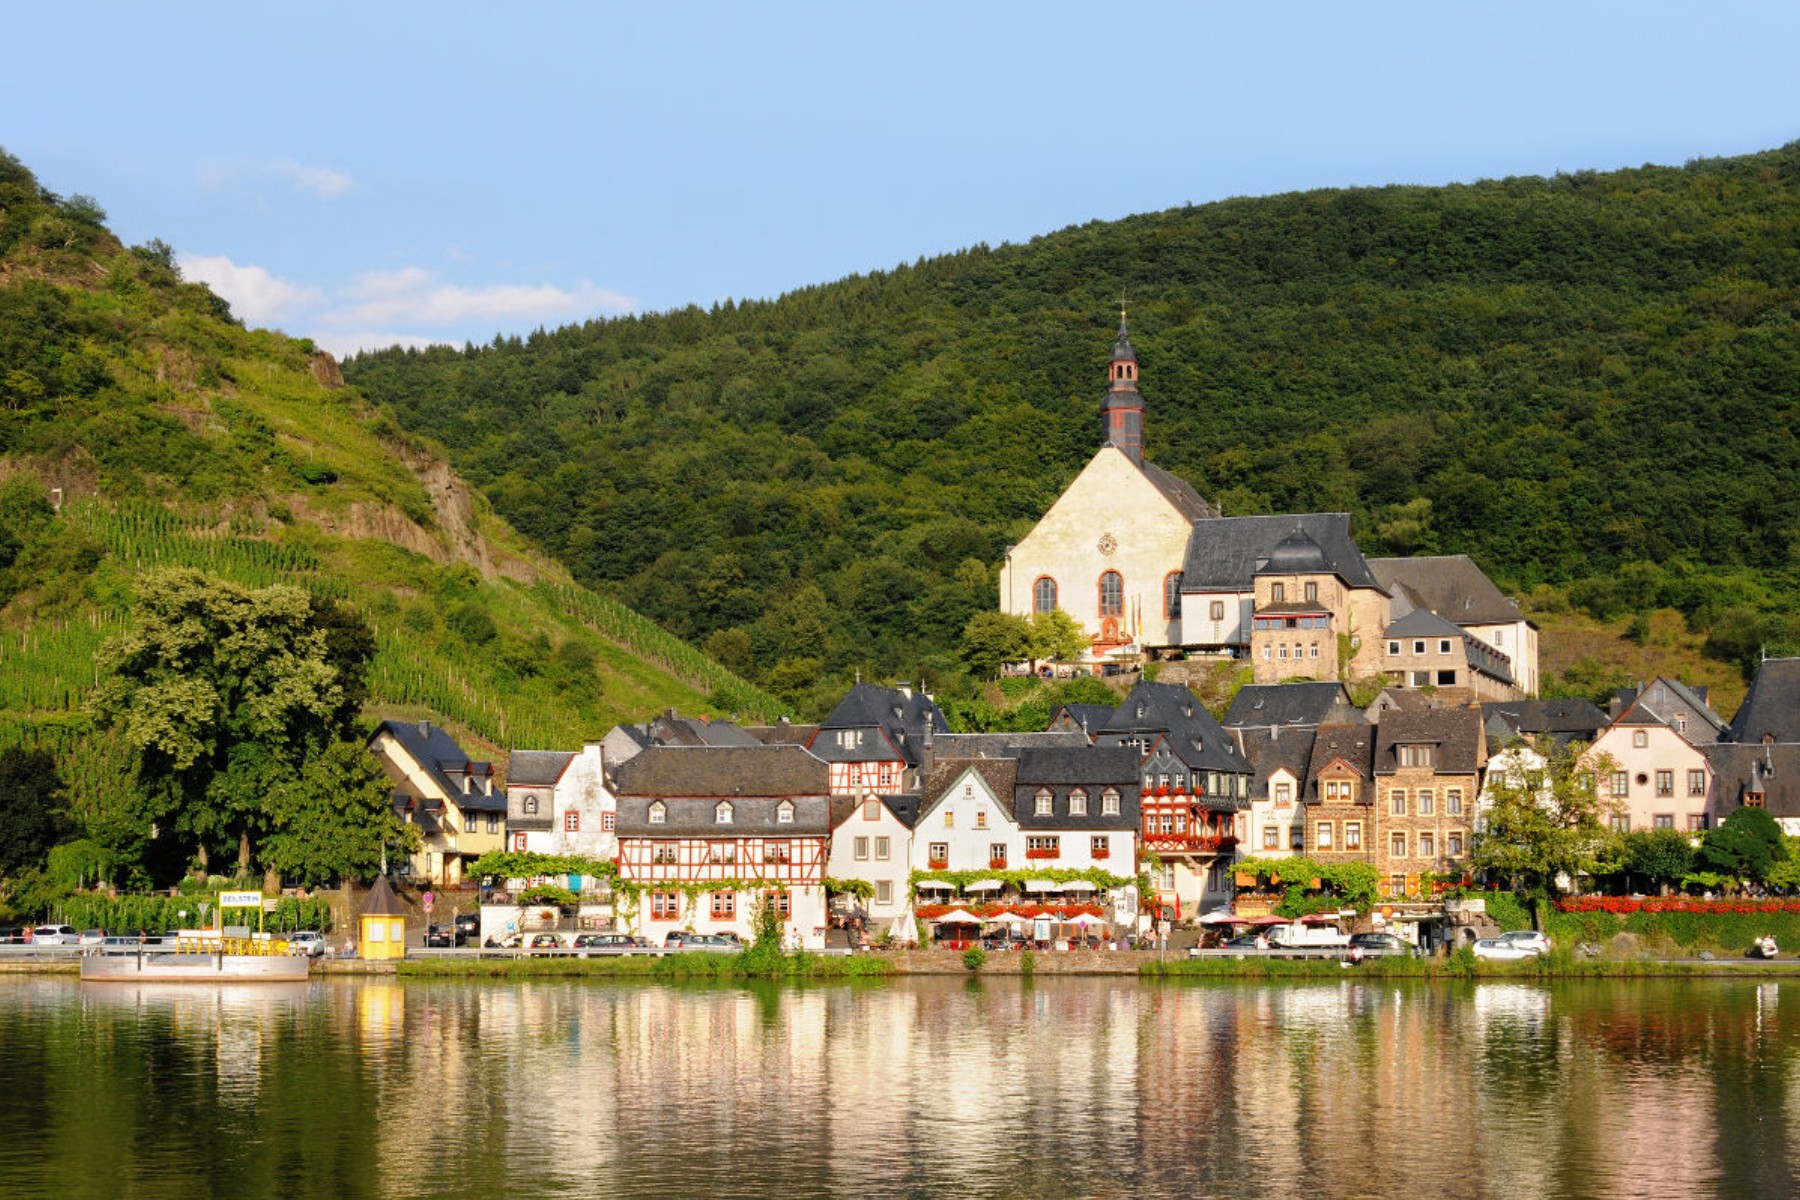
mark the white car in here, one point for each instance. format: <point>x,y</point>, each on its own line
<point>56,935</point>
<point>1512,947</point>
<point>1530,939</point>
<point>309,943</point>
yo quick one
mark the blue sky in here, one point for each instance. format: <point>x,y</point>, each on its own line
<point>379,172</point>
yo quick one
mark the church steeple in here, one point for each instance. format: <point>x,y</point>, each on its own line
<point>1123,409</point>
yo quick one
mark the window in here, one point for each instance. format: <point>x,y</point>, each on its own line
<point>1313,650</point>
<point>493,822</point>
<point>777,852</point>
<point>1284,794</point>
<point>1109,803</point>
<point>881,849</point>
<point>1680,722</point>
<point>1454,845</point>
<point>1297,838</point>
<point>1621,784</point>
<point>609,821</point>
<point>663,856</point>
<point>1045,805</point>
<point>1421,678</point>
<point>997,855</point>
<point>939,852</point>
<point>665,906</point>
<point>1172,595</point>
<point>1620,822</point>
<point>1696,822</point>
<point>1271,838</point>
<point>1417,756</point>
<point>1078,803</point>
<point>1393,647</point>
<point>1697,783</point>
<point>1112,594</point>
<point>1665,821</point>
<point>722,852</point>
<point>1640,738</point>
<point>1426,802</point>
<point>848,739</point>
<point>1453,802</point>
<point>571,822</point>
<point>1396,885</point>
<point>949,818</point>
<point>1099,847</point>
<point>1665,783</point>
<point>1322,838</point>
<point>1397,802</point>
<point>722,814</point>
<point>1281,651</point>
<point>779,901</point>
<point>871,810</point>
<point>657,812</point>
<point>1446,678</point>
<point>784,813</point>
<point>859,849</point>
<point>1042,847</point>
<point>1268,651</point>
<point>724,905</point>
<point>1444,646</point>
<point>1427,846</point>
<point>884,892</point>
<point>1043,595</point>
<point>519,842</point>
<point>1278,593</point>
<point>1353,835</point>
<point>981,818</point>
<point>1397,846</point>
<point>1312,593</point>
<point>1419,646</point>
<point>1216,610</point>
<point>531,806</point>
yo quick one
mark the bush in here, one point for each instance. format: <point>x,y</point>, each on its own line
<point>973,957</point>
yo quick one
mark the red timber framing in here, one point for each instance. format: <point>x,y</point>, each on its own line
<point>794,861</point>
<point>1178,824</point>
<point>854,778</point>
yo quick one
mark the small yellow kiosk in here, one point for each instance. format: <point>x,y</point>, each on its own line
<point>383,922</point>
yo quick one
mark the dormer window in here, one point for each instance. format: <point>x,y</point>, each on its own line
<point>1045,804</point>
<point>722,814</point>
<point>784,813</point>
<point>1078,803</point>
<point>1109,803</point>
<point>531,806</point>
<point>658,812</point>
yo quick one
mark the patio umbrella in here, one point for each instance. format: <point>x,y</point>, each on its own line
<point>958,916</point>
<point>1042,885</point>
<point>1084,920</point>
<point>1223,918</point>
<point>940,884</point>
<point>1011,918</point>
<point>984,885</point>
<point>1079,885</point>
<point>1267,921</point>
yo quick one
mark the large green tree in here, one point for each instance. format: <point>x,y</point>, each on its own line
<point>228,694</point>
<point>1545,827</point>
<point>332,818</point>
<point>1747,844</point>
<point>33,810</point>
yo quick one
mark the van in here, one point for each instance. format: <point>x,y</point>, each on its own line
<point>1309,937</point>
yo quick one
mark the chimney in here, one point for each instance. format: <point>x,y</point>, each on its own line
<point>424,728</point>
<point>927,753</point>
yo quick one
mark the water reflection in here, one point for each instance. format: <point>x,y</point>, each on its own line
<point>1093,1087</point>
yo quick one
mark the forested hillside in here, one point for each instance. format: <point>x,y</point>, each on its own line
<point>141,427</point>
<point>1588,382</point>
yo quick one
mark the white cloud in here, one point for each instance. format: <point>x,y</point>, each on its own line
<point>415,296</point>
<point>327,183</point>
<point>256,297</point>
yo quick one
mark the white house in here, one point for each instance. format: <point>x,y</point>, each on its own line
<point>557,802</point>
<point>871,841</point>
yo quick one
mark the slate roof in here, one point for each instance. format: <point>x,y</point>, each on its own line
<point>1225,553</point>
<point>1296,554</point>
<point>1456,732</point>
<point>905,808</point>
<point>894,725</point>
<point>1740,769</point>
<point>1422,622</point>
<point>381,900</point>
<point>1450,585</point>
<point>445,761</point>
<point>722,771</point>
<point>1000,775</point>
<point>1190,733</point>
<point>1288,704</point>
<point>1772,707</point>
<point>1354,744</point>
<point>782,733</point>
<point>1274,749</point>
<point>1082,716</point>
<point>1179,492</point>
<point>1091,768</point>
<point>537,768</point>
<point>1565,719</point>
<point>672,729</point>
<point>1642,706</point>
<point>1004,745</point>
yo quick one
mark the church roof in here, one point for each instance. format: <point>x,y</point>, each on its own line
<point>1225,553</point>
<point>1772,707</point>
<point>1122,347</point>
<point>1450,585</point>
<point>1295,554</point>
<point>1179,492</point>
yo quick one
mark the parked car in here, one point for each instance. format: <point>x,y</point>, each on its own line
<point>307,943</point>
<point>609,943</point>
<point>684,940</point>
<point>1502,950</point>
<point>439,937</point>
<point>56,935</point>
<point>1245,941</point>
<point>468,928</point>
<point>1376,945</point>
<point>1308,937</point>
<point>14,936</point>
<point>91,937</point>
<point>1530,939</point>
<point>544,941</point>
<point>505,941</point>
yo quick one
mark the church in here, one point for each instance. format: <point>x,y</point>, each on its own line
<point>1151,570</point>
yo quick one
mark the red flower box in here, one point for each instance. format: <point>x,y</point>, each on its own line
<point>1103,853</point>
<point>1623,906</point>
<point>938,864</point>
<point>996,864</point>
<point>1040,854</point>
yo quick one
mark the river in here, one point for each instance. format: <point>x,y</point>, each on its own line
<point>924,1087</point>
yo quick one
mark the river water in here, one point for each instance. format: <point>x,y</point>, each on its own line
<point>923,1087</point>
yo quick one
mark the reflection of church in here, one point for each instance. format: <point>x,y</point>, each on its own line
<point>1149,569</point>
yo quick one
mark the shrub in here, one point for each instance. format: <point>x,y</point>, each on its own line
<point>973,957</point>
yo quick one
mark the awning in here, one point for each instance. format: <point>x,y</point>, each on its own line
<point>1042,885</point>
<point>1079,885</point>
<point>1011,918</point>
<point>959,916</point>
<point>1221,917</point>
<point>941,884</point>
<point>984,885</point>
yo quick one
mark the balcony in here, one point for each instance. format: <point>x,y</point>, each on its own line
<point>1189,843</point>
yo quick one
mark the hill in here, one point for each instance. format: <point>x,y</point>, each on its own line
<point>140,426</point>
<point>1586,382</point>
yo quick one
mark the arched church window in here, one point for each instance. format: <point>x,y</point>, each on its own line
<point>1112,594</point>
<point>1043,595</point>
<point>1172,595</point>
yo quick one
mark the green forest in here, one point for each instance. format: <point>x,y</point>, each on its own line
<point>1587,382</point>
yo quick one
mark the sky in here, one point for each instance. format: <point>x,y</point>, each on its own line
<point>372,174</point>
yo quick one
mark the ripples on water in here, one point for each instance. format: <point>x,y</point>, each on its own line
<point>927,1088</point>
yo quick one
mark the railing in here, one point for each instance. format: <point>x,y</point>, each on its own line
<point>1190,843</point>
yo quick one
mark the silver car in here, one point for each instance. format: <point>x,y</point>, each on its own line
<point>56,935</point>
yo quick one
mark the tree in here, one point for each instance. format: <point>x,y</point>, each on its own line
<point>1055,636</point>
<point>333,818</point>
<point>1544,827</point>
<point>1657,856</point>
<point>1747,844</point>
<point>33,811</point>
<point>226,693</point>
<point>993,639</point>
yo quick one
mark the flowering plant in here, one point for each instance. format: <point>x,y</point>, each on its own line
<point>1626,905</point>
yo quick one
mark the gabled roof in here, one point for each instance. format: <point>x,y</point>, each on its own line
<point>1094,769</point>
<point>1272,749</point>
<point>999,774</point>
<point>1422,622</point>
<point>1567,719</point>
<point>672,729</point>
<point>1288,704</point>
<point>1456,732</point>
<point>1450,585</point>
<point>1772,707</point>
<point>1083,716</point>
<point>722,771</point>
<point>444,761</point>
<point>783,733</point>
<point>1738,770</point>
<point>1179,492</point>
<point>1351,745</point>
<point>903,808</point>
<point>1661,700</point>
<point>1225,553</point>
<point>381,901</point>
<point>537,768</point>
<point>1005,745</point>
<point>1189,731</point>
<point>899,718</point>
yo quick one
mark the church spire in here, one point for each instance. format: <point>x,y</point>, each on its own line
<point>1123,409</point>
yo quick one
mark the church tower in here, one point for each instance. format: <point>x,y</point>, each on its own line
<point>1123,409</point>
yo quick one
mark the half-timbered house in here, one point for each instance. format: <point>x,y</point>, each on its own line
<point>708,833</point>
<point>876,739</point>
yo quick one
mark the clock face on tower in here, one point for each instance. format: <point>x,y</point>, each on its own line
<point>1108,544</point>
